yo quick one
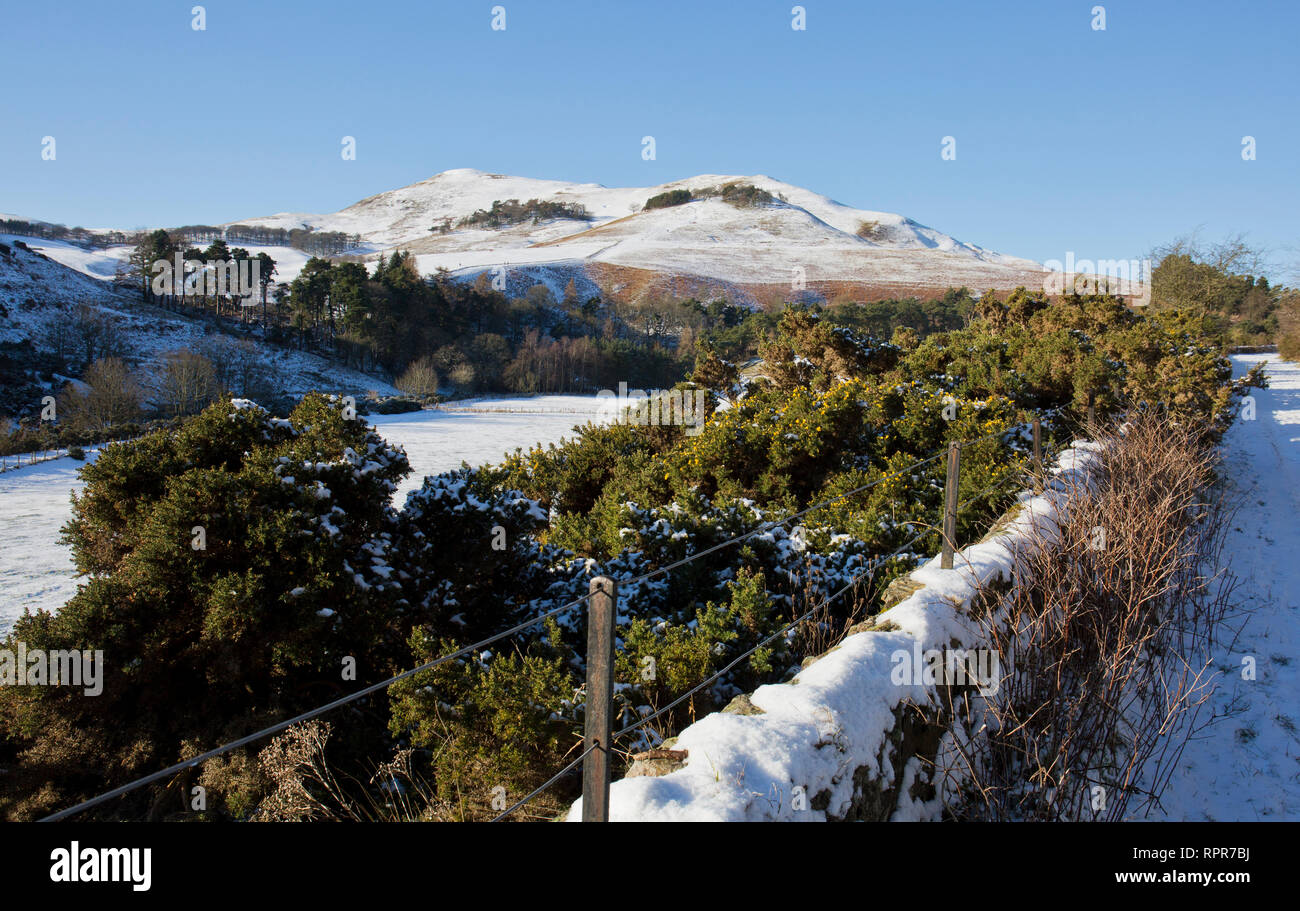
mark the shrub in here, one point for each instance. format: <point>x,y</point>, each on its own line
<point>667,199</point>
<point>111,396</point>
<point>231,565</point>
<point>872,230</point>
<point>1288,346</point>
<point>420,377</point>
<point>397,405</point>
<point>1112,645</point>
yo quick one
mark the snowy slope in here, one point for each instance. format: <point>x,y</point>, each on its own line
<point>27,276</point>
<point>40,294</point>
<point>405,215</point>
<point>104,262</point>
<point>1246,764</point>
<point>97,263</point>
<point>36,571</point>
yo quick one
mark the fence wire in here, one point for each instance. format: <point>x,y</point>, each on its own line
<point>305,716</point>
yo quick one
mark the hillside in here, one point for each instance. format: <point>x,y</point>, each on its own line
<point>706,238</point>
<point>47,307</point>
<point>715,246</point>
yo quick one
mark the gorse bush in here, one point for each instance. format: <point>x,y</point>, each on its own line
<point>305,563</point>
<point>230,568</point>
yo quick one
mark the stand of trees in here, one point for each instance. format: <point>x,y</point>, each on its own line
<point>309,240</point>
<point>77,235</point>
<point>741,195</point>
<point>513,212</point>
<point>471,336</point>
<point>160,246</point>
<point>1222,280</point>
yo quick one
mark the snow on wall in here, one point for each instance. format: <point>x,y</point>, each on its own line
<point>843,740</point>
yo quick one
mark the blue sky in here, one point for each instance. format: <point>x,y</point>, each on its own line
<point>1103,143</point>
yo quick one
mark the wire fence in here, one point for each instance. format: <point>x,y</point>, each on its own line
<point>602,742</point>
<point>307,716</point>
<point>806,615</point>
<point>17,460</point>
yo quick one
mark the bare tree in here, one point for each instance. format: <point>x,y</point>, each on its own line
<point>96,336</point>
<point>109,395</point>
<point>419,378</point>
<point>59,336</point>
<point>238,367</point>
<point>189,382</point>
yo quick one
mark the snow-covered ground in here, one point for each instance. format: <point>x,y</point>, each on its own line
<point>99,262</point>
<point>105,262</point>
<point>1246,764</point>
<point>480,431</point>
<point>36,570</point>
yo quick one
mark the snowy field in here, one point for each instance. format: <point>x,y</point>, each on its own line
<point>36,570</point>
<point>1246,764</point>
<point>480,431</point>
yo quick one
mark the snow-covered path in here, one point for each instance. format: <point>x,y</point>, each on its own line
<point>1246,765</point>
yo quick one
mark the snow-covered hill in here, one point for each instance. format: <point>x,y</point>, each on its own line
<point>802,236</point>
<point>706,237</point>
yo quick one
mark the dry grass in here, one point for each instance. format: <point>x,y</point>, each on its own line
<point>1105,640</point>
<point>306,788</point>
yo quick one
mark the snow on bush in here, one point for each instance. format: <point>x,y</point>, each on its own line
<point>816,744</point>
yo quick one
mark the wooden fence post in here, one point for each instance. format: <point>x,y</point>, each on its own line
<point>601,610</point>
<point>950,505</point>
<point>1038,451</point>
